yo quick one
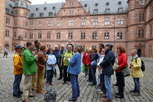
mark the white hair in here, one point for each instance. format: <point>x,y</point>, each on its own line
<point>69,46</point>
<point>63,45</point>
<point>56,45</point>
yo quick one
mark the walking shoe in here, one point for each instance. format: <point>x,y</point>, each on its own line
<point>92,84</point>
<point>132,91</point>
<point>31,95</point>
<point>136,94</point>
<point>64,83</point>
<point>17,95</point>
<point>42,92</point>
<point>59,78</point>
<point>20,92</point>
<point>106,100</point>
<point>26,101</point>
<point>51,84</point>
<point>72,100</point>
<point>119,96</point>
<point>46,84</point>
<point>104,96</point>
<point>115,85</point>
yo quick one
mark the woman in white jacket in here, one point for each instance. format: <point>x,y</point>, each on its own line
<point>102,84</point>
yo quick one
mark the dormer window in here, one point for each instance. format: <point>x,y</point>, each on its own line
<point>10,5</point>
<point>120,10</point>
<point>12,12</point>
<point>22,3</point>
<point>32,15</point>
<point>7,10</point>
<point>50,14</point>
<point>107,4</point>
<point>96,4</point>
<point>95,11</point>
<point>45,8</point>
<point>53,7</point>
<point>37,9</point>
<point>119,2</point>
<point>107,10</point>
<point>41,14</point>
<point>85,5</point>
<point>16,4</point>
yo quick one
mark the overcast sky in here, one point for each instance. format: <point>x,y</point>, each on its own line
<point>47,1</point>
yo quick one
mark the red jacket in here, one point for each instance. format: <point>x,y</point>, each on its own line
<point>86,59</point>
<point>122,61</point>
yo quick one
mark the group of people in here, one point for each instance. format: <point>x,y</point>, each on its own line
<point>35,62</point>
<point>107,63</point>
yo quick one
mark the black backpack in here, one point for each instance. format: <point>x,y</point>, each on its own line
<point>142,64</point>
<point>50,96</point>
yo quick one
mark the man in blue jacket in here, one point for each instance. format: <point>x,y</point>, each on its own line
<point>56,52</point>
<point>107,64</point>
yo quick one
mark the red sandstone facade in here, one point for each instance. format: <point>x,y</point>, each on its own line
<point>133,29</point>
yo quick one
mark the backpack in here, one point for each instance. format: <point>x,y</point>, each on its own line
<point>50,96</point>
<point>142,64</point>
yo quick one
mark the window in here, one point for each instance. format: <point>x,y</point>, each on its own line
<point>120,21</point>
<point>39,35</point>
<point>150,49</point>
<point>96,4</point>
<point>151,30</point>
<point>119,35</point>
<point>49,23</point>
<point>107,10</point>
<point>40,24</point>
<point>7,33</point>
<point>70,36</point>
<point>31,24</point>
<point>7,10</point>
<point>50,14</point>
<point>71,12</point>
<point>10,5</point>
<point>142,16</point>
<point>95,11</point>
<point>37,9</point>
<point>58,23</point>
<point>120,10</point>
<point>58,36</point>
<point>16,12</point>
<point>71,4</point>
<point>7,21</point>
<point>25,35</point>
<point>14,34</point>
<point>85,5</point>
<point>41,14</point>
<point>106,35</point>
<point>31,36</point>
<point>15,22</point>
<point>48,46</point>
<point>94,35</point>
<point>119,2</point>
<point>142,2</point>
<point>26,13</point>
<point>83,35</point>
<point>83,22</point>
<point>53,7</point>
<point>107,4</point>
<point>45,8</point>
<point>26,24</point>
<point>106,21</point>
<point>95,22</point>
<point>70,22</point>
<point>140,33</point>
<point>48,36</point>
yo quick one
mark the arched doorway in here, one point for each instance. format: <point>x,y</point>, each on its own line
<point>139,52</point>
<point>7,46</point>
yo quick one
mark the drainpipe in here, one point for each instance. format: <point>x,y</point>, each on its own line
<point>114,31</point>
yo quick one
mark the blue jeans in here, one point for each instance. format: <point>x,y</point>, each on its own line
<point>75,86</point>
<point>137,85</point>
<point>49,76</point>
<point>93,72</point>
<point>102,83</point>
<point>16,84</point>
<point>107,79</point>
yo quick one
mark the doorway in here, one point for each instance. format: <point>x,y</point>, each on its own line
<point>139,52</point>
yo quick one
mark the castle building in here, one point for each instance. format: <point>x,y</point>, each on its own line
<point>122,22</point>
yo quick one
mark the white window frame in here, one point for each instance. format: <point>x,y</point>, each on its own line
<point>58,23</point>
<point>40,24</point>
<point>107,21</point>
<point>70,22</point>
<point>49,24</point>
<point>120,21</point>
<point>95,22</point>
<point>106,35</point>
<point>31,24</point>
<point>83,22</point>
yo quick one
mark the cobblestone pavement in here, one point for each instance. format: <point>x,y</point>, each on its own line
<point>64,91</point>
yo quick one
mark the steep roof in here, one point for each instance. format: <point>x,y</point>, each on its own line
<point>9,7</point>
<point>96,7</point>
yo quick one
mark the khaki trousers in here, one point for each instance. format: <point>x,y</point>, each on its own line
<point>40,76</point>
<point>27,90</point>
<point>34,80</point>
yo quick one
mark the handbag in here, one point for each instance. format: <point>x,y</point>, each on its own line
<point>83,69</point>
<point>125,71</point>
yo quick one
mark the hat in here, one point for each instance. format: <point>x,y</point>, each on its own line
<point>18,47</point>
<point>56,45</point>
<point>109,44</point>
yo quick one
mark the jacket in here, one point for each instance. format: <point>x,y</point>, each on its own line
<point>51,60</point>
<point>18,64</point>
<point>57,54</point>
<point>41,59</point>
<point>122,61</point>
<point>86,59</point>
<point>67,54</point>
<point>75,64</point>
<point>94,59</point>
<point>136,71</point>
<point>107,63</point>
<point>29,62</point>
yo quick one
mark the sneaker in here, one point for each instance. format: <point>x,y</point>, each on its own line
<point>119,96</point>
<point>136,94</point>
<point>46,84</point>
<point>132,91</point>
<point>51,84</point>
<point>20,92</point>
<point>17,95</point>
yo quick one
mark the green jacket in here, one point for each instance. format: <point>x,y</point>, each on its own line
<point>29,63</point>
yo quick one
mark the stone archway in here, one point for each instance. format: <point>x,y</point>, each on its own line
<point>7,46</point>
<point>139,52</point>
